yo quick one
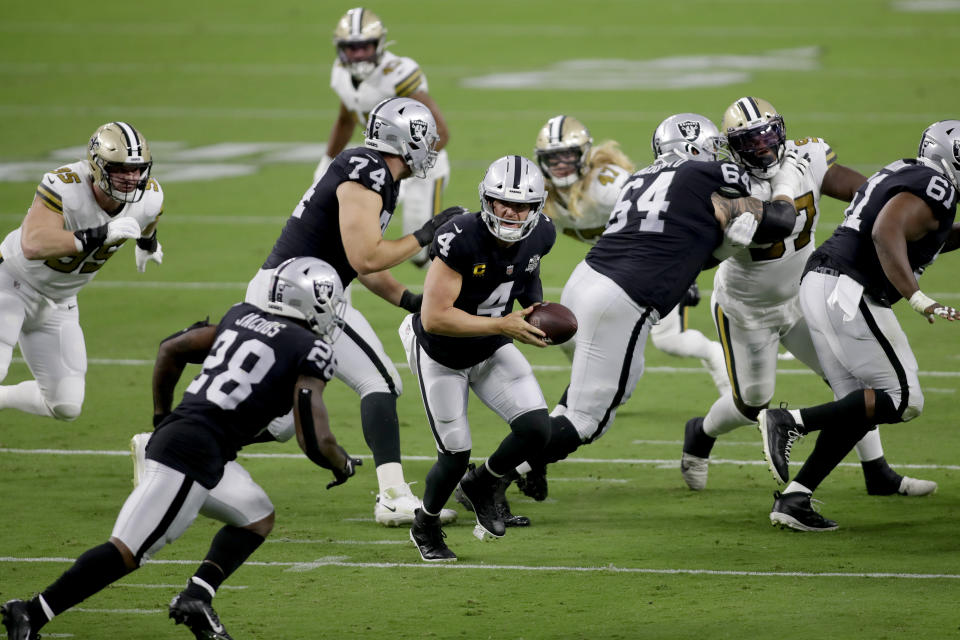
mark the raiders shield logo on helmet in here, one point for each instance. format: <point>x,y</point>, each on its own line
<point>418,129</point>
<point>956,152</point>
<point>689,129</point>
<point>323,291</point>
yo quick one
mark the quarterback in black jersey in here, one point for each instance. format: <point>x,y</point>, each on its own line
<point>257,364</point>
<point>669,219</point>
<point>341,219</point>
<point>463,339</point>
<point>896,225</point>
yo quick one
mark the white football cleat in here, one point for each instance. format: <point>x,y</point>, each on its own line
<point>694,470</point>
<point>396,506</point>
<point>138,451</point>
<point>916,487</point>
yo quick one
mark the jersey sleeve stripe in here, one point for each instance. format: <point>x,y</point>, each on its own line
<point>50,198</point>
<point>409,84</point>
<point>831,157</point>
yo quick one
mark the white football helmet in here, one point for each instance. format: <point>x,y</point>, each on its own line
<point>308,289</point>
<point>690,136</point>
<point>940,144</point>
<point>563,134</point>
<point>360,26</point>
<point>512,179</point>
<point>405,127</point>
<point>756,136</point>
<point>118,146</point>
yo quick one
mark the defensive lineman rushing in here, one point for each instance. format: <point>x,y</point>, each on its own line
<point>363,75</point>
<point>668,220</point>
<point>341,219</point>
<point>260,364</point>
<point>81,214</point>
<point>755,292</point>
<point>896,225</point>
<point>463,339</point>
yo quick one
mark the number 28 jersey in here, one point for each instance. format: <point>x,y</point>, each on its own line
<point>663,230</point>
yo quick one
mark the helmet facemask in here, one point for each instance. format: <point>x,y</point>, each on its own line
<point>360,27</point>
<point>940,146</point>
<point>308,289</point>
<point>117,148</point>
<point>690,136</point>
<point>512,179</point>
<point>567,138</point>
<point>759,148</point>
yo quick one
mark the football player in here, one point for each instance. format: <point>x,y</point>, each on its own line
<point>81,215</point>
<point>463,339</point>
<point>364,74</point>
<point>669,219</point>
<point>755,303</point>
<point>896,225</point>
<point>341,219</point>
<point>258,365</point>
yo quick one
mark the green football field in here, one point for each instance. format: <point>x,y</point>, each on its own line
<point>234,99</point>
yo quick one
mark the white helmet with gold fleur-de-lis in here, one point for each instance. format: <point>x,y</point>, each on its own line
<point>358,27</point>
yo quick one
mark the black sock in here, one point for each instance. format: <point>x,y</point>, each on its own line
<point>381,427</point>
<point>564,440</point>
<point>529,433</point>
<point>94,570</point>
<point>850,410</point>
<point>442,479</point>
<point>229,549</point>
<point>831,447</point>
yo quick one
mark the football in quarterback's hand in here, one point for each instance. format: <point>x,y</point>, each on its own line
<point>555,320</point>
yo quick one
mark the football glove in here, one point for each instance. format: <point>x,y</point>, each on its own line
<point>740,231</point>
<point>791,178</point>
<point>143,256</point>
<point>692,297</point>
<point>349,468</point>
<point>121,229</point>
<point>424,234</point>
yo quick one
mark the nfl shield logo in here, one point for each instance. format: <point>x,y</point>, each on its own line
<point>689,129</point>
<point>418,129</point>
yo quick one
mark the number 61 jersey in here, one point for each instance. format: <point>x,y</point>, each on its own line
<point>249,375</point>
<point>663,230</point>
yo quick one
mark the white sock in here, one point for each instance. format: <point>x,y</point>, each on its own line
<point>869,447</point>
<point>724,417</point>
<point>389,474</point>
<point>796,416</point>
<point>523,468</point>
<point>794,487</point>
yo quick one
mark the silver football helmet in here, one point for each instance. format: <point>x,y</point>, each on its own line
<point>405,127</point>
<point>690,136</point>
<point>308,289</point>
<point>563,135</point>
<point>358,27</point>
<point>940,144</point>
<point>118,147</point>
<point>512,179</point>
<point>756,136</point>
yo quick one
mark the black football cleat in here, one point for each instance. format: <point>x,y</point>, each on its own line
<point>533,484</point>
<point>199,617</point>
<point>428,536</point>
<point>17,621</point>
<point>779,431</point>
<point>477,494</point>
<point>795,511</point>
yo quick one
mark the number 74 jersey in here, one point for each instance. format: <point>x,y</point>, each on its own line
<point>765,276</point>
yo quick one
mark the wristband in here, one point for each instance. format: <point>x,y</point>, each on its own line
<point>920,301</point>
<point>89,239</point>
<point>149,244</point>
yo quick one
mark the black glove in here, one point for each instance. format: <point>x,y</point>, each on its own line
<point>692,298</point>
<point>411,301</point>
<point>92,237</point>
<point>424,234</point>
<point>349,468</point>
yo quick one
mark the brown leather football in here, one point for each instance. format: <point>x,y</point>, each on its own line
<point>555,320</point>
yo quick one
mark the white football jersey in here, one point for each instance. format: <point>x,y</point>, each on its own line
<point>764,276</point>
<point>69,192</point>
<point>394,76</point>
<point>594,207</point>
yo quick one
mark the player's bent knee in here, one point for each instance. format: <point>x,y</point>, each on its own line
<point>533,427</point>
<point>262,527</point>
<point>914,406</point>
<point>885,408</point>
<point>67,411</point>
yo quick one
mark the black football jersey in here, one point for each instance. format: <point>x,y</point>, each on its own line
<point>493,277</point>
<point>313,228</point>
<point>663,231</point>
<point>850,249</point>
<point>247,380</point>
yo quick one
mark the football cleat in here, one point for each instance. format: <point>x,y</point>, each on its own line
<point>17,621</point>
<point>503,506</point>
<point>794,511</point>
<point>916,487</point>
<point>138,451</point>
<point>396,506</point>
<point>779,431</point>
<point>694,471</point>
<point>428,536</point>
<point>199,617</point>
<point>533,484</point>
<point>881,480</point>
<point>478,496</point>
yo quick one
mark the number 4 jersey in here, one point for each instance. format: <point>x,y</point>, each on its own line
<point>68,192</point>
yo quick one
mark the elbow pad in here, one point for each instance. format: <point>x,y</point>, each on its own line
<point>777,222</point>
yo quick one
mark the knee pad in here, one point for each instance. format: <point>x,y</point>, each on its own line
<point>68,412</point>
<point>67,399</point>
<point>885,411</point>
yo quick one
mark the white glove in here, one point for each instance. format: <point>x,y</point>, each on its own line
<point>322,167</point>
<point>123,228</point>
<point>792,176</point>
<point>740,231</point>
<point>142,256</point>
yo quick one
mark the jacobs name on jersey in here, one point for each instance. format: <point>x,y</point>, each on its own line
<point>247,379</point>
<point>313,228</point>
<point>493,277</point>
<point>851,250</point>
<point>663,230</point>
